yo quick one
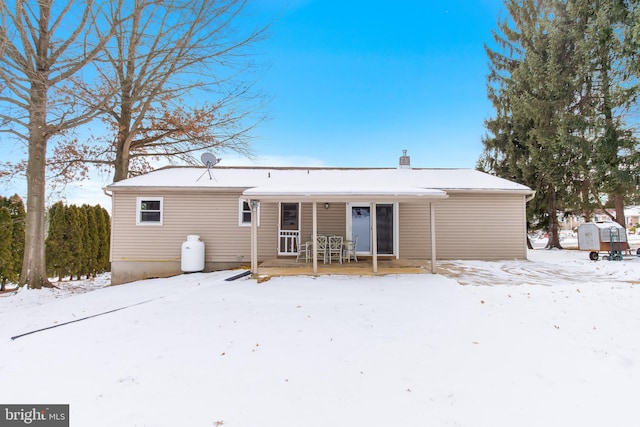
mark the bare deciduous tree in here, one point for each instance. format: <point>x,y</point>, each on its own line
<point>46,44</point>
<point>181,70</point>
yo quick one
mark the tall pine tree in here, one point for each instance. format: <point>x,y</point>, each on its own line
<point>534,78</point>
<point>610,94</point>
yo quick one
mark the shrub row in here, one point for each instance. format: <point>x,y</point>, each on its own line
<point>78,241</point>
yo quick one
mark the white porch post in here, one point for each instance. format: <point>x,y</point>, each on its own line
<point>374,237</point>
<point>433,236</point>
<point>314,237</point>
<point>254,235</point>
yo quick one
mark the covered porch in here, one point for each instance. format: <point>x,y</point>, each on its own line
<point>320,195</point>
<point>364,267</point>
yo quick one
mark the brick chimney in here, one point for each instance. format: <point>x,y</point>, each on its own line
<point>405,161</point>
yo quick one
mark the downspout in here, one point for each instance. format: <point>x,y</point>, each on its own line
<point>432,215</point>
<point>528,244</point>
<point>314,237</point>
<point>374,237</point>
<point>254,204</point>
<point>530,197</point>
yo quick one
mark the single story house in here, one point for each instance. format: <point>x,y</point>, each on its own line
<point>246,215</point>
<point>631,215</point>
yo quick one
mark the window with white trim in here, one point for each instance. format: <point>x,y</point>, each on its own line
<point>149,211</point>
<point>244,211</point>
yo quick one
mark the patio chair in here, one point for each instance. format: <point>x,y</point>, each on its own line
<point>322,247</point>
<point>304,250</point>
<point>350,249</point>
<point>334,248</point>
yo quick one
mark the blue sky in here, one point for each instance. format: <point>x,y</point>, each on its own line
<point>354,83</point>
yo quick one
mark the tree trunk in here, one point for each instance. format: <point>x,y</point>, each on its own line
<point>121,163</point>
<point>123,150</point>
<point>554,235</point>
<point>34,272</point>
<point>612,136</point>
<point>34,61</point>
<point>619,203</point>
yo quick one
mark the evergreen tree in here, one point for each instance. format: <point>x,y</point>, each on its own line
<point>611,90</point>
<point>91,241</point>
<point>7,268</point>
<point>55,250</point>
<point>533,84</point>
<point>78,241</point>
<point>631,43</point>
<point>15,205</point>
<point>104,238</point>
<point>18,216</point>
<point>76,236</point>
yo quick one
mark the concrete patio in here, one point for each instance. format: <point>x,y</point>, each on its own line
<point>364,267</point>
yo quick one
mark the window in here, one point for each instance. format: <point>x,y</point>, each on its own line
<point>149,211</point>
<point>245,213</point>
<point>289,216</point>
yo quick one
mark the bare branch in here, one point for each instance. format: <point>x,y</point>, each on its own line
<point>168,53</point>
<point>43,46</point>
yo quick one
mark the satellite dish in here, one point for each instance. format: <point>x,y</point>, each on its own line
<point>209,159</point>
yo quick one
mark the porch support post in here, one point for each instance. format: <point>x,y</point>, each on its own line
<point>432,230</point>
<point>314,237</point>
<point>374,237</point>
<point>254,235</point>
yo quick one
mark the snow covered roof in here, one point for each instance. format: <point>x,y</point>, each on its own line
<point>330,193</point>
<point>632,211</point>
<point>310,182</point>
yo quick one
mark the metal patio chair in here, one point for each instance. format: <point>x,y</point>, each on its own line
<point>350,249</point>
<point>322,247</point>
<point>304,250</point>
<point>334,248</point>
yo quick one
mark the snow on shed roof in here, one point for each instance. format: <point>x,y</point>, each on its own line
<point>288,179</point>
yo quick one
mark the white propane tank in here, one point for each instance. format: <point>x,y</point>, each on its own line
<point>192,254</point>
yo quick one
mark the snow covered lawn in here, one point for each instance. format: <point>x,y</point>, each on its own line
<point>553,341</point>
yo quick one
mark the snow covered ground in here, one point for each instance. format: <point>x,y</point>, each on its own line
<point>553,341</point>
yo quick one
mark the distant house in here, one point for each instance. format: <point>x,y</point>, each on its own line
<point>246,215</point>
<point>631,215</point>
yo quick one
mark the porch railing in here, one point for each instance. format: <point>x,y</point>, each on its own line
<point>288,242</point>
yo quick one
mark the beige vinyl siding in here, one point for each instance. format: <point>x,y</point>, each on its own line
<point>306,221</point>
<point>330,221</point>
<point>212,216</point>
<point>481,226</point>
<point>468,226</point>
<point>414,230</point>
